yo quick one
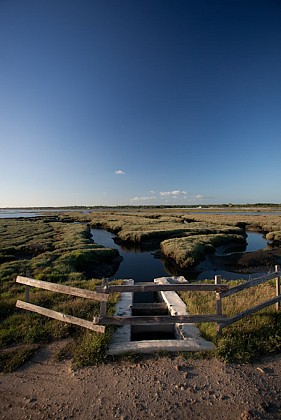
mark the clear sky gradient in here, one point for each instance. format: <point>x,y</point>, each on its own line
<point>112,102</point>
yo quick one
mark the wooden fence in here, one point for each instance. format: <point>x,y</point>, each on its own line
<point>59,288</point>
<point>102,295</point>
<point>251,283</point>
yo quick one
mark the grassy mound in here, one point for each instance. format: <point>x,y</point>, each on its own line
<point>189,251</point>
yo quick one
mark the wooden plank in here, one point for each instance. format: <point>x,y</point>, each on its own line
<point>250,311</point>
<point>161,319</point>
<point>60,317</point>
<point>153,287</point>
<point>103,305</point>
<point>60,288</point>
<point>27,294</point>
<point>218,296</point>
<point>248,284</point>
<point>278,305</point>
<point>218,303</point>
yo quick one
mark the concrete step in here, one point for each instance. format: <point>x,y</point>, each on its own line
<point>152,346</point>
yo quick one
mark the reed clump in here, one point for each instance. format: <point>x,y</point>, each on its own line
<point>190,250</point>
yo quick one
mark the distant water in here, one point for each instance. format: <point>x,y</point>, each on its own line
<point>14,214</point>
<point>240,213</point>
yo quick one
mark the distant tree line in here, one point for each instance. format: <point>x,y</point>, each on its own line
<point>160,206</point>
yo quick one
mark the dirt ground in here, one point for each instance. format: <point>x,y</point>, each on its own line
<point>152,387</point>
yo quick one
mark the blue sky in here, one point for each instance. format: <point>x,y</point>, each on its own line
<point>116,102</point>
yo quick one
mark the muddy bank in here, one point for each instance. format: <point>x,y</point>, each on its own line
<point>103,269</point>
<point>248,262</point>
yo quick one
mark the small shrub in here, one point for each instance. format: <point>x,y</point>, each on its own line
<point>91,349</point>
<point>13,359</point>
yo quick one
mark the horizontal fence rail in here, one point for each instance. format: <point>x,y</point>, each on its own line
<point>161,319</point>
<point>250,283</point>
<point>60,288</point>
<point>251,311</point>
<point>60,317</point>
<point>154,287</point>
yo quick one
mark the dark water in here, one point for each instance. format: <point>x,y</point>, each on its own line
<point>137,265</point>
<point>255,241</point>
<point>143,266</point>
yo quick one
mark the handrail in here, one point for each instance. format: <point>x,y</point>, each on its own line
<point>60,288</point>
<point>250,283</point>
<point>153,287</point>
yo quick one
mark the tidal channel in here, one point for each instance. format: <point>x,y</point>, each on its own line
<point>143,266</point>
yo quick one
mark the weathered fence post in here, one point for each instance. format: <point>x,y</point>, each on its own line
<point>27,294</point>
<point>27,289</point>
<point>278,304</point>
<point>218,304</point>
<point>103,305</point>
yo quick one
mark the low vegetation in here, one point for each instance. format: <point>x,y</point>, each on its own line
<point>190,250</point>
<point>52,251</point>
<point>55,249</point>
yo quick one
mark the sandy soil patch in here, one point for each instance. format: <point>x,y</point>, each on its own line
<point>152,387</point>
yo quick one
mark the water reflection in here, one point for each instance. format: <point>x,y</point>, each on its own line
<point>254,242</point>
<point>137,264</point>
<point>143,266</point>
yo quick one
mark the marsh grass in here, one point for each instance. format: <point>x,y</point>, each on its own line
<point>14,358</point>
<point>55,249</point>
<point>52,251</point>
<point>49,250</point>
<point>27,328</point>
<point>250,337</point>
<point>190,250</point>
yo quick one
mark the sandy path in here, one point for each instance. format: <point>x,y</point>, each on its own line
<point>160,388</point>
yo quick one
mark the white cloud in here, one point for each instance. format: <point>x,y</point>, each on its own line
<point>143,198</point>
<point>120,172</point>
<point>175,193</point>
<point>170,197</point>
